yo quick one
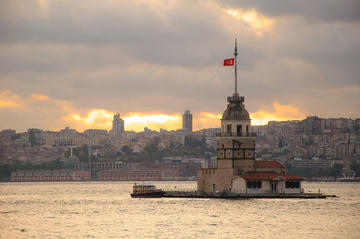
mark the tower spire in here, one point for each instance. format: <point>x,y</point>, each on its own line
<point>235,54</point>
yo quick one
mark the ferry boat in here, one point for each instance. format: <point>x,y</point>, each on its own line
<point>146,191</point>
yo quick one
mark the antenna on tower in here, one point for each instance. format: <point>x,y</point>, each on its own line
<point>235,54</point>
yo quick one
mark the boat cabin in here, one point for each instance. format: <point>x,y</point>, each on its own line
<point>144,188</point>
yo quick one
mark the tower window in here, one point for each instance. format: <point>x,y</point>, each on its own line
<point>229,129</point>
<point>239,130</point>
<point>247,129</point>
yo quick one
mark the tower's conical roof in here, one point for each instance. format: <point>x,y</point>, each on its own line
<point>235,109</point>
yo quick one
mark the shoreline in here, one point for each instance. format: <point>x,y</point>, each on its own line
<point>184,180</point>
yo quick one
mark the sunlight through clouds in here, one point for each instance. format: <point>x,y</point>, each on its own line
<point>100,118</point>
<point>7,103</point>
<point>137,122</point>
<point>39,97</point>
<point>8,99</point>
<point>279,113</point>
<point>133,121</point>
<point>257,21</point>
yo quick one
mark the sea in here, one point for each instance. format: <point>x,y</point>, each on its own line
<point>106,210</point>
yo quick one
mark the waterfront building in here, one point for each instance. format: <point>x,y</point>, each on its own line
<point>187,121</point>
<point>49,175</point>
<point>237,171</point>
<point>137,175</point>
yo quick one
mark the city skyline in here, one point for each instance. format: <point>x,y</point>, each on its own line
<point>141,122</point>
<point>73,64</point>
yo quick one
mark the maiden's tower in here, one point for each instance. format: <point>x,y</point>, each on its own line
<point>237,169</point>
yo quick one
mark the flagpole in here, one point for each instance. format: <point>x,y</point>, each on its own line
<point>235,54</point>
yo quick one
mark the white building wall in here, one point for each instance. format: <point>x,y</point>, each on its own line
<point>292,190</point>
<point>239,186</point>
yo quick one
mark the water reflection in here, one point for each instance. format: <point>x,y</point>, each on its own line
<point>106,210</point>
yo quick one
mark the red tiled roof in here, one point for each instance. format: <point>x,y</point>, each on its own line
<point>268,176</point>
<point>268,164</point>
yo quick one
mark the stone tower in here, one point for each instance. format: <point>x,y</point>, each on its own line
<point>235,143</point>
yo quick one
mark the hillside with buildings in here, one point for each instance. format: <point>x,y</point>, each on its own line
<point>313,147</point>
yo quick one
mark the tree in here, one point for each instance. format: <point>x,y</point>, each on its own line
<point>83,153</point>
<point>67,153</point>
<point>126,149</point>
<point>356,167</point>
<point>56,164</point>
<point>5,170</point>
<point>336,170</point>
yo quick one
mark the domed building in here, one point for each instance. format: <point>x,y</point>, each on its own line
<point>237,170</point>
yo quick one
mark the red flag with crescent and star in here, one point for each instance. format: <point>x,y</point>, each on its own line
<point>229,62</point>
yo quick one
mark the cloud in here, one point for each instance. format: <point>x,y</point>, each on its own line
<point>165,57</point>
<point>40,97</point>
<point>259,22</point>
<point>100,118</point>
<point>137,122</point>
<point>278,113</point>
<point>155,31</point>
<point>96,118</point>
<point>8,103</point>
<point>8,99</point>
<point>321,10</point>
<point>32,111</point>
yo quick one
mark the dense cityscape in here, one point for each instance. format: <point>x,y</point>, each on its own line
<point>315,148</point>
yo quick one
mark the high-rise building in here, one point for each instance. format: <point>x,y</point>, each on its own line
<point>118,125</point>
<point>187,121</point>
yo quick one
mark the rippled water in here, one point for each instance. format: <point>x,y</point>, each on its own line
<point>106,210</point>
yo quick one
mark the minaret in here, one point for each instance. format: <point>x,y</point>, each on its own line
<point>236,143</point>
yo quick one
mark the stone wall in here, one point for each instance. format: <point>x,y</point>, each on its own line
<point>220,177</point>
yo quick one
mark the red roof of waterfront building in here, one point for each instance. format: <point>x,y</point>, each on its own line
<point>268,164</point>
<point>258,175</point>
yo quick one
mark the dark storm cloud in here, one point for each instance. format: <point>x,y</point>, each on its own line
<point>166,56</point>
<point>323,10</point>
<point>183,34</point>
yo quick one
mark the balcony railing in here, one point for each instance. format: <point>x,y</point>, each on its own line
<point>231,134</point>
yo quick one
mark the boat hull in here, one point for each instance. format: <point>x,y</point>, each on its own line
<point>157,194</point>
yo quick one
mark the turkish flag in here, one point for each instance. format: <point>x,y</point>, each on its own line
<point>229,62</point>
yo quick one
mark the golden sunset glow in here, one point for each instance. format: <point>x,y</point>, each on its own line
<point>137,122</point>
<point>253,18</point>
<point>280,113</point>
<point>39,97</point>
<point>93,116</point>
<point>100,118</point>
<point>208,115</point>
<point>97,118</point>
<point>8,99</point>
<point>7,103</point>
<point>206,120</point>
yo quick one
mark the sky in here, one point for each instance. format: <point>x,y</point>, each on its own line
<point>75,63</point>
